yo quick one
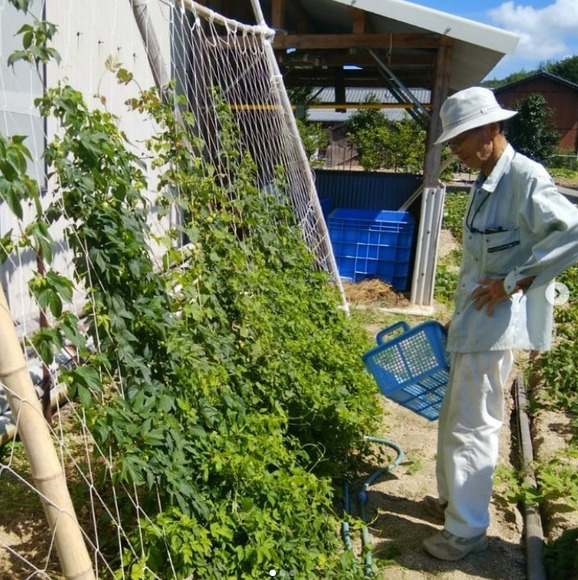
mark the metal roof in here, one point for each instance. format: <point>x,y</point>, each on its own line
<point>333,116</point>
<point>354,96</point>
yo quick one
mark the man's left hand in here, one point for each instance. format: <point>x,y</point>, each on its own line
<point>489,293</point>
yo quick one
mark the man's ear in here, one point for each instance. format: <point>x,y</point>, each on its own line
<point>493,129</point>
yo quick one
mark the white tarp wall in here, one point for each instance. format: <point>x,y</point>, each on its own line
<point>89,33</point>
<point>19,86</point>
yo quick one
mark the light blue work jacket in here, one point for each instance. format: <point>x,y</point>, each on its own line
<point>516,225</point>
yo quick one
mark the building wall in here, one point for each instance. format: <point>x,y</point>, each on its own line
<point>364,189</point>
<point>562,99</point>
<point>88,34</point>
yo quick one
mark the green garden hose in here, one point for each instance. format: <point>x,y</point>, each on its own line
<point>362,500</point>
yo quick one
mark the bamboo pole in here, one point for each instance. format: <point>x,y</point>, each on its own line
<point>45,467</point>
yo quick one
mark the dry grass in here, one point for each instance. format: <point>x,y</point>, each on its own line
<point>375,292</point>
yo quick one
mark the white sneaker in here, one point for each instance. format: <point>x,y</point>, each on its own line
<point>446,546</point>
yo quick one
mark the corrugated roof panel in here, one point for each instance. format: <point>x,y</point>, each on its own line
<point>333,116</point>
<point>357,95</point>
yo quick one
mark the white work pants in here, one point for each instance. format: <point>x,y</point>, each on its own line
<point>470,419</point>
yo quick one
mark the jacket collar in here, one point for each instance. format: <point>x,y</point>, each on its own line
<point>490,183</point>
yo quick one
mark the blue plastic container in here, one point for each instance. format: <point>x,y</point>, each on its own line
<point>326,206</point>
<point>372,244</point>
<point>412,367</point>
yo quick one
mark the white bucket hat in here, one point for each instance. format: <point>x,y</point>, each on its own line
<point>468,109</point>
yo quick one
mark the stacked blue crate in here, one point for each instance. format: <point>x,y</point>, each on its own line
<point>326,206</point>
<point>372,244</point>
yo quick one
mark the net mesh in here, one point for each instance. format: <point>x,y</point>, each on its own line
<point>215,62</point>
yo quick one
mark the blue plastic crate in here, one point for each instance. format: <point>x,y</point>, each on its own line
<point>326,205</point>
<point>412,368</point>
<point>372,244</point>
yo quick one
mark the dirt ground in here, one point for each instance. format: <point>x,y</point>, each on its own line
<point>397,522</point>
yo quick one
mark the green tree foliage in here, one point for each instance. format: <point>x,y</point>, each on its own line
<point>408,144</point>
<point>385,144</point>
<point>313,136</point>
<point>532,131</point>
<point>512,78</point>
<point>367,131</point>
<point>566,68</point>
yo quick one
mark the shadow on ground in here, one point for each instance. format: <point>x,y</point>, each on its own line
<point>399,525</point>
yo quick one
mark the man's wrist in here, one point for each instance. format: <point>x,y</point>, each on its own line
<point>523,284</point>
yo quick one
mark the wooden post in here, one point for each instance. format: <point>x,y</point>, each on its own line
<point>425,263</point>
<point>47,473</point>
<point>277,14</point>
<point>438,96</point>
<point>152,47</point>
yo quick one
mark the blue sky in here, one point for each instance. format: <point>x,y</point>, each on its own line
<point>548,29</point>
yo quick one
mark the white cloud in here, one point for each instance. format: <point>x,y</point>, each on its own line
<point>545,33</point>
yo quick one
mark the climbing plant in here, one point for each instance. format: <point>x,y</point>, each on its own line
<point>227,384</point>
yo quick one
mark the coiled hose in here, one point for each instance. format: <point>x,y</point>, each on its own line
<point>362,500</point>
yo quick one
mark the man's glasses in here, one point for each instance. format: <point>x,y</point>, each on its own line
<point>457,144</point>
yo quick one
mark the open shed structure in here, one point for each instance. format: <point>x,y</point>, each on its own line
<point>391,44</point>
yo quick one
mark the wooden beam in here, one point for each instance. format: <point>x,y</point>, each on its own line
<point>337,41</point>
<point>303,20</point>
<point>278,14</point>
<point>365,59</point>
<point>359,19</point>
<point>340,87</point>
<point>296,77</point>
<point>331,58</point>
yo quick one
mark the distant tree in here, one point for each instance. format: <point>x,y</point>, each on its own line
<point>408,145</point>
<point>514,77</point>
<point>301,95</point>
<point>365,118</point>
<point>313,136</point>
<point>532,131</point>
<point>373,147</point>
<point>566,69</point>
<point>368,131</point>
<point>382,143</point>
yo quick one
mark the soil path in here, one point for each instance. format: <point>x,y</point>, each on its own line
<point>399,524</point>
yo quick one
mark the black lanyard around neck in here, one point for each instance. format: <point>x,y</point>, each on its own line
<point>470,219</point>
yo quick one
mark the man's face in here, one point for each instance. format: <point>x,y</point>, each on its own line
<point>473,147</point>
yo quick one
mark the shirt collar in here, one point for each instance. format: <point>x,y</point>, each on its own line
<point>490,183</point>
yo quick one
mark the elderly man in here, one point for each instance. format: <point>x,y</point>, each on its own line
<point>519,233</point>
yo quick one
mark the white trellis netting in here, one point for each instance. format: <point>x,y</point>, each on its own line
<point>210,51</point>
<point>202,52</point>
